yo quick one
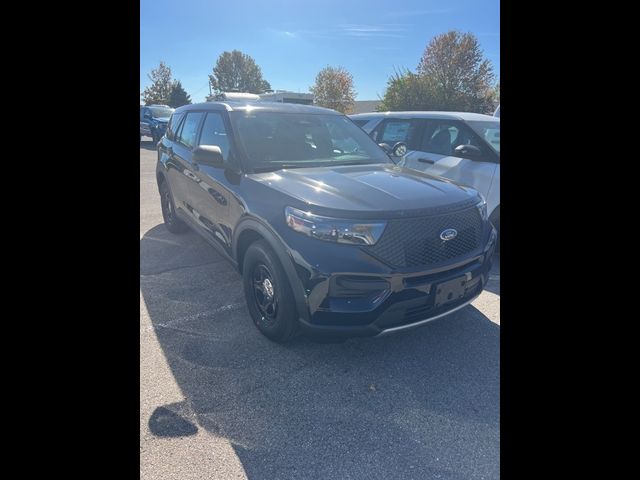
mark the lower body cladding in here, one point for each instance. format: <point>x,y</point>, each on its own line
<point>348,304</point>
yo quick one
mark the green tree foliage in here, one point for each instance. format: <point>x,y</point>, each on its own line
<point>178,96</point>
<point>406,91</point>
<point>161,86</point>
<point>237,72</point>
<point>451,76</point>
<point>334,89</point>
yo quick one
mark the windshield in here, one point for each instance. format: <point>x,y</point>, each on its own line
<point>161,112</point>
<point>490,131</point>
<point>273,140</point>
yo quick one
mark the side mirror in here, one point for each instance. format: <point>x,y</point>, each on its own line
<point>147,115</point>
<point>385,147</point>
<point>467,151</point>
<point>210,155</point>
<point>399,149</point>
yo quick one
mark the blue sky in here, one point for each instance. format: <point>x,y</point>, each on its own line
<point>291,40</point>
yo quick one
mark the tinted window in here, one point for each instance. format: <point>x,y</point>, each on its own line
<point>442,137</point>
<point>215,133</point>
<point>189,130</point>
<point>271,141</point>
<point>174,123</point>
<point>161,112</point>
<point>360,123</point>
<point>394,131</point>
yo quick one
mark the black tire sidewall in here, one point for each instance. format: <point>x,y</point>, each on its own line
<point>285,325</point>
<point>174,225</point>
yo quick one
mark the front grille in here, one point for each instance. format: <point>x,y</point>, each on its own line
<point>416,242</point>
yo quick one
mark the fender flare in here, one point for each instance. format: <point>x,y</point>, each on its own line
<point>280,249</point>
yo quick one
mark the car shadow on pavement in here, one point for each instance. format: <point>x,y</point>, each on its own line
<point>418,404</point>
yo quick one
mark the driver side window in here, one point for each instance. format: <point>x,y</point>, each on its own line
<point>442,138</point>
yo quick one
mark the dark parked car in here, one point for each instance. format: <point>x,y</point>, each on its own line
<point>153,121</point>
<point>329,234</point>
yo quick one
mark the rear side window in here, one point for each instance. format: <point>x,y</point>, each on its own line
<point>189,130</point>
<point>174,123</point>
<point>215,133</point>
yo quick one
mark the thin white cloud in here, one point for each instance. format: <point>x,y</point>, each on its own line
<point>282,33</point>
<point>384,30</point>
<point>414,13</point>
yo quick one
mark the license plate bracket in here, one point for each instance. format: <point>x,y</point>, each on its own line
<point>447,292</point>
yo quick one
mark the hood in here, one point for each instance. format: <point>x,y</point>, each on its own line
<point>367,191</point>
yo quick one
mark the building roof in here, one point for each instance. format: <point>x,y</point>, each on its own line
<point>363,106</point>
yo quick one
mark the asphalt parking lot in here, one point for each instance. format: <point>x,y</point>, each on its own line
<point>218,400</point>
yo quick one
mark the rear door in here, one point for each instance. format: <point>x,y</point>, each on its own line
<point>436,155</point>
<point>183,180</point>
<point>212,197</point>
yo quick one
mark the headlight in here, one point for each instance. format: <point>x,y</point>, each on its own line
<point>338,230</point>
<point>482,208</point>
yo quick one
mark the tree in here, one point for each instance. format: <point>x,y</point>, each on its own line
<point>406,91</point>
<point>178,96</point>
<point>161,86</point>
<point>451,76</point>
<point>334,89</point>
<point>458,76</point>
<point>237,72</point>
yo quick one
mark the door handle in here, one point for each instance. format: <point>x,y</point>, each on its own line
<point>190,174</point>
<point>426,160</point>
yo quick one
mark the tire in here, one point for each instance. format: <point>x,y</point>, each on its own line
<point>154,137</point>
<point>171,220</point>
<point>268,293</point>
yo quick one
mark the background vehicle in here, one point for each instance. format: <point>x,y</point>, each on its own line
<point>328,233</point>
<point>461,146</point>
<point>153,121</point>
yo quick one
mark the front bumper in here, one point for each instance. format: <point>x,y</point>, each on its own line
<point>370,304</point>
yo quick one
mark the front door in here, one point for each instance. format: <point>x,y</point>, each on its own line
<point>436,155</point>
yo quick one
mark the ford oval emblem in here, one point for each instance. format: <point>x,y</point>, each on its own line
<point>449,234</point>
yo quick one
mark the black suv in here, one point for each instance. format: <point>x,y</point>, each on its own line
<point>329,234</point>
<point>153,121</point>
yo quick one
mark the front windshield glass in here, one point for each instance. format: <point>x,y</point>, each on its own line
<point>490,131</point>
<point>160,112</point>
<point>273,140</point>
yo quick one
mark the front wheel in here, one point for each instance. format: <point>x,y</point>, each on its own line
<point>268,293</point>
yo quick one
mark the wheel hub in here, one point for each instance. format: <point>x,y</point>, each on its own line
<point>268,288</point>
